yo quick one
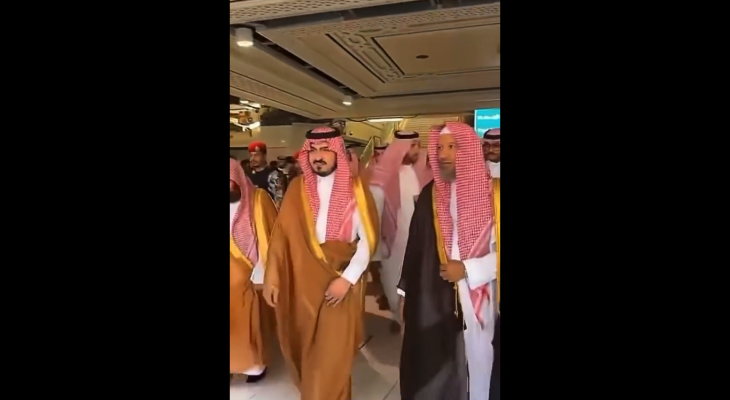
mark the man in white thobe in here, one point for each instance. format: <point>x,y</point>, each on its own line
<point>398,193</point>
<point>491,151</point>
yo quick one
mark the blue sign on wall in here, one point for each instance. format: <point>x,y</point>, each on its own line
<point>486,118</point>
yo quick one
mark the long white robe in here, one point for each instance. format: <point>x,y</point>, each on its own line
<point>494,168</point>
<point>379,198</point>
<point>477,338</point>
<point>390,273</point>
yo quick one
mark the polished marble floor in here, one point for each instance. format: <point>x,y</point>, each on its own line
<point>374,376</point>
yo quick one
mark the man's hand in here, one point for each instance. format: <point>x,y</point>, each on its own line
<point>271,295</point>
<point>336,291</point>
<point>453,271</point>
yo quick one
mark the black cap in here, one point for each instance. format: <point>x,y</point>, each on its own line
<point>491,134</point>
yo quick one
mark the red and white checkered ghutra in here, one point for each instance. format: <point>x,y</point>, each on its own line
<point>244,233</point>
<point>341,200</point>
<point>473,199</point>
<point>473,188</point>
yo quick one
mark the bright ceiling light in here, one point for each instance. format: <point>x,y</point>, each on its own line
<point>243,101</point>
<point>255,105</point>
<point>244,37</point>
<point>347,100</point>
<point>394,119</point>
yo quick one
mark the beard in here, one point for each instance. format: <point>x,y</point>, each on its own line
<point>322,172</point>
<point>235,195</point>
<point>448,174</point>
<point>410,159</point>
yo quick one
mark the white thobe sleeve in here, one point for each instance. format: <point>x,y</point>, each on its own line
<point>482,270</point>
<point>258,272</point>
<point>361,259</point>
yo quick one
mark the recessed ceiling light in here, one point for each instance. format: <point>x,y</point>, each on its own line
<point>347,100</point>
<point>244,37</point>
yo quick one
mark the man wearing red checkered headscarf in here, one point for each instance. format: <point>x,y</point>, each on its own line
<point>252,218</point>
<point>320,248</point>
<point>492,155</point>
<point>396,182</point>
<point>449,275</point>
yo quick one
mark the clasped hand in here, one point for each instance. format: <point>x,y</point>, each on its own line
<point>336,291</point>
<point>453,271</point>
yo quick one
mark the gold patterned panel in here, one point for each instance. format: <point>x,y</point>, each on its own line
<point>261,10</point>
<point>440,50</point>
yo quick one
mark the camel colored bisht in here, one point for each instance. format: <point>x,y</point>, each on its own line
<point>251,230</point>
<point>319,342</point>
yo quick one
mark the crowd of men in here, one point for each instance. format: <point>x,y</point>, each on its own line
<point>425,222</point>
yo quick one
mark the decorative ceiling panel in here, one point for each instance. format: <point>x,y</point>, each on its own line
<point>443,52</point>
<point>261,10</point>
<point>402,23</point>
<point>433,51</point>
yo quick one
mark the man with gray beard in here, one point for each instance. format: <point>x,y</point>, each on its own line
<point>449,275</point>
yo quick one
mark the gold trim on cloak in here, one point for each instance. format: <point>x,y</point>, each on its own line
<point>236,253</point>
<point>442,248</point>
<point>309,220</point>
<point>365,217</point>
<point>497,208</point>
<point>365,220</point>
<point>362,209</point>
<point>262,230</point>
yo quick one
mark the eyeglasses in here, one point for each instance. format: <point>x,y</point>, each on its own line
<point>490,145</point>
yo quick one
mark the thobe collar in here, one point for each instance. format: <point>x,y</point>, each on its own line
<point>324,188</point>
<point>326,180</point>
<point>234,210</point>
<point>493,168</point>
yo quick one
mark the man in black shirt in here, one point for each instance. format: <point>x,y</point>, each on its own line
<point>262,175</point>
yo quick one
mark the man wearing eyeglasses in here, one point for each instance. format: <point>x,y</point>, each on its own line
<point>490,148</point>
